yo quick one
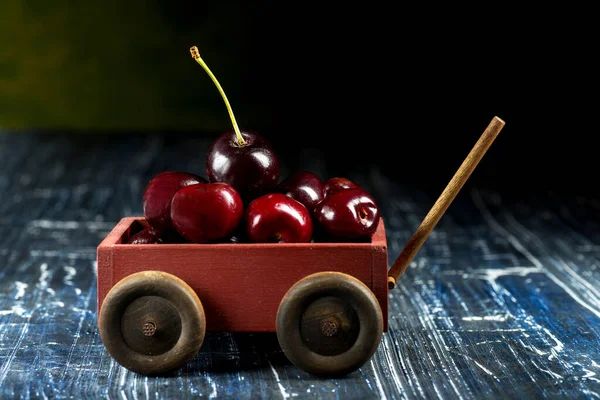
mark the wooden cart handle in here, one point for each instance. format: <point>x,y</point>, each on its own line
<point>444,201</point>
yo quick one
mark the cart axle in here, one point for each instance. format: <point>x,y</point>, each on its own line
<point>149,328</point>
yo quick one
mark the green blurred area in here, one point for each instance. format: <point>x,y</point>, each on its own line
<point>120,65</point>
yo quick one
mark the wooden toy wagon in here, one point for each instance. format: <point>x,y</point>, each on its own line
<point>327,302</point>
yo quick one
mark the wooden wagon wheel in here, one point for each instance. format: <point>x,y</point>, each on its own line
<point>152,322</point>
<point>329,324</point>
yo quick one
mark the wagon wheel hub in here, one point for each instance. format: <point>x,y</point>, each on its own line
<point>149,328</point>
<point>329,326</point>
<point>141,321</point>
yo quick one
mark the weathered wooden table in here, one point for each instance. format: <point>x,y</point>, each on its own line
<point>502,301</point>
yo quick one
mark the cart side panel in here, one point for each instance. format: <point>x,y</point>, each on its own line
<point>104,258</point>
<point>104,275</point>
<point>380,270</point>
<point>240,286</point>
<point>380,287</point>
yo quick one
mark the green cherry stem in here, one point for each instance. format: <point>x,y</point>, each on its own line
<point>196,56</point>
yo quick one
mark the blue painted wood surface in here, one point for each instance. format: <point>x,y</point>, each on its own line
<point>502,301</point>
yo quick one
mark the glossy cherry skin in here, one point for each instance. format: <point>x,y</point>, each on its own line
<point>277,218</point>
<point>334,185</point>
<point>157,197</point>
<point>206,212</point>
<point>146,236</point>
<point>350,214</point>
<point>253,170</point>
<point>305,187</point>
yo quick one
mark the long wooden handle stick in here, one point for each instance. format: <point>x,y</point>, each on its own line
<point>444,201</point>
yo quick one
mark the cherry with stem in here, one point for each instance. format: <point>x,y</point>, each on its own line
<point>242,159</point>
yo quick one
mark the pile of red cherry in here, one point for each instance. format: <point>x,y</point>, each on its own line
<point>243,201</point>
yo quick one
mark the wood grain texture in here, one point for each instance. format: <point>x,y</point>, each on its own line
<point>329,324</point>
<point>501,301</point>
<point>152,323</point>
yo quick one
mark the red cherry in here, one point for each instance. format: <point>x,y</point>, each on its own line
<point>244,160</point>
<point>251,168</point>
<point>146,236</point>
<point>277,218</point>
<point>206,212</point>
<point>304,187</point>
<point>159,193</point>
<point>348,214</point>
<point>334,185</point>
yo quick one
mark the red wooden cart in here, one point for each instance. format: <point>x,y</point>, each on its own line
<point>327,302</point>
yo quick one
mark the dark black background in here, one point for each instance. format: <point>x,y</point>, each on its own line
<point>410,88</point>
